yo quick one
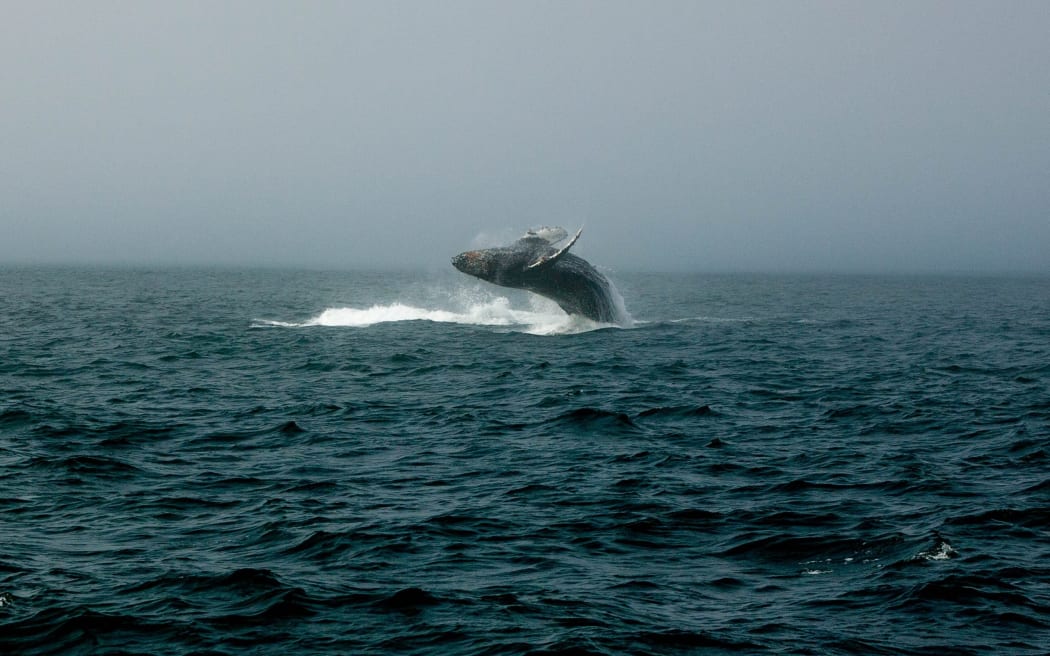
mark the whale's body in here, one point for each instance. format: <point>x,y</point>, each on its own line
<point>532,263</point>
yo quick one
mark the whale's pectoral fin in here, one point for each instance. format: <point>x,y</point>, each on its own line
<point>553,257</point>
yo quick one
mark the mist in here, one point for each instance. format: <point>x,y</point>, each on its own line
<point>684,136</point>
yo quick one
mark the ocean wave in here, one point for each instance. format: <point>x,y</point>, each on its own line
<point>441,483</point>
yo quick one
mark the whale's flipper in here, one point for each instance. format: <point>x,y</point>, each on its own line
<point>553,257</point>
<point>549,234</point>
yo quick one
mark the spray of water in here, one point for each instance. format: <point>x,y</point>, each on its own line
<point>465,306</point>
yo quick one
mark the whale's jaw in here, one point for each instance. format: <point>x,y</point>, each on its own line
<point>473,263</point>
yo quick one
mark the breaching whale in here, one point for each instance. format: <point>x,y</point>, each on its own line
<point>534,264</point>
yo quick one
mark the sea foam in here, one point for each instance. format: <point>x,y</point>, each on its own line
<point>543,317</point>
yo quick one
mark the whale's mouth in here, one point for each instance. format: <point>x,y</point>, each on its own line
<point>460,261</point>
<point>471,262</point>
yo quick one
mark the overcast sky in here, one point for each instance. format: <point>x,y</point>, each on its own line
<point>711,136</point>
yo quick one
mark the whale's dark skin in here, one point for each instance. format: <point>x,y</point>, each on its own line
<point>533,264</point>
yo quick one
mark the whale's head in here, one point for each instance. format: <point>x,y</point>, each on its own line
<point>511,266</point>
<point>488,264</point>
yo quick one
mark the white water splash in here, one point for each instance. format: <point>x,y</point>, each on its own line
<point>941,551</point>
<point>623,317</point>
<point>543,317</point>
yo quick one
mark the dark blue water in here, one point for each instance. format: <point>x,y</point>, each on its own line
<point>228,462</point>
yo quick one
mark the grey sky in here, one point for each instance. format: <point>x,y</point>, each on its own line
<point>685,135</point>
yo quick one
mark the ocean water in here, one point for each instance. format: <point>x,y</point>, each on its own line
<point>274,462</point>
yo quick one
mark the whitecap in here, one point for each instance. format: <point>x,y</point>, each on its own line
<point>543,317</point>
<point>942,551</point>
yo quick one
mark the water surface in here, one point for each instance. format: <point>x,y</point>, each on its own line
<point>267,462</point>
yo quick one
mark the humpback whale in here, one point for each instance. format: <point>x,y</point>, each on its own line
<point>534,264</point>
